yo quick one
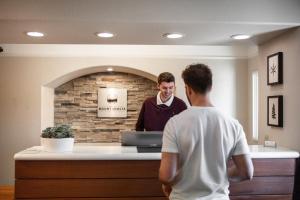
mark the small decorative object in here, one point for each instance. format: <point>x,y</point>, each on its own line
<point>269,143</point>
<point>275,72</point>
<point>57,139</point>
<point>275,111</point>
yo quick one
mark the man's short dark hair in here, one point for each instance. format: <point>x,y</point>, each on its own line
<point>165,77</point>
<point>198,77</point>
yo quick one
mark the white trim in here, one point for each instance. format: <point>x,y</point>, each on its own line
<point>255,103</point>
<point>47,107</point>
<point>151,51</point>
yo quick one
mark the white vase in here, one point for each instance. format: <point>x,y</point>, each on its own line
<point>57,144</point>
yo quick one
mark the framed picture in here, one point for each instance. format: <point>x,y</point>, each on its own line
<point>112,103</point>
<point>275,72</point>
<point>275,111</point>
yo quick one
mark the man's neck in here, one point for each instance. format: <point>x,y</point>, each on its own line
<point>202,102</point>
<point>164,100</point>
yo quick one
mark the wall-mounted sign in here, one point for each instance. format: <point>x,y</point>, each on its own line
<point>112,102</point>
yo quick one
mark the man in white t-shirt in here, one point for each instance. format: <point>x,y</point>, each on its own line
<point>198,143</point>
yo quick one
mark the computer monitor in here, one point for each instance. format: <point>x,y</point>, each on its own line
<point>145,141</point>
<point>142,138</point>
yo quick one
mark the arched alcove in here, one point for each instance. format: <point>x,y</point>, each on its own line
<point>65,84</point>
<point>90,70</point>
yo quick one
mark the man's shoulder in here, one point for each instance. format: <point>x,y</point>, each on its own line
<point>179,101</point>
<point>221,115</point>
<point>207,112</point>
<point>150,100</point>
<point>226,118</point>
<point>181,116</point>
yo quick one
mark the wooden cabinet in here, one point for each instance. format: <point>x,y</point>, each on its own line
<point>297,181</point>
<point>133,179</point>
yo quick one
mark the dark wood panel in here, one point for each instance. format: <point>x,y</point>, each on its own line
<point>129,198</point>
<point>263,185</point>
<point>297,181</point>
<point>273,167</point>
<point>51,188</point>
<point>253,197</point>
<point>127,169</point>
<point>124,180</point>
<point>87,169</point>
<point>262,197</point>
<point>37,188</point>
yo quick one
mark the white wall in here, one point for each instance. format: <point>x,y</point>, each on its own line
<point>289,44</point>
<point>22,78</point>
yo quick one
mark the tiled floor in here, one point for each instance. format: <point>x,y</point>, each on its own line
<point>6,192</point>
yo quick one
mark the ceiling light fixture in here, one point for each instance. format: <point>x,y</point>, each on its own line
<point>173,35</point>
<point>110,69</point>
<point>240,37</point>
<point>105,35</point>
<point>35,34</point>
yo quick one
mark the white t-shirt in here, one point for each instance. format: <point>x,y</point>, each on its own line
<point>205,139</point>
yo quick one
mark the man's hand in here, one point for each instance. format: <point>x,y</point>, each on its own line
<point>166,190</point>
<point>242,169</point>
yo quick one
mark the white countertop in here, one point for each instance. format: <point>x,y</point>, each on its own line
<point>117,152</point>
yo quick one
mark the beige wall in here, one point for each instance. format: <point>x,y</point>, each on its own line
<point>22,78</point>
<point>289,44</point>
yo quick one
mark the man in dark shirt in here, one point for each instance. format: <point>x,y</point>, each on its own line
<point>157,110</point>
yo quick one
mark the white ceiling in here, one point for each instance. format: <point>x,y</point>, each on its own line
<point>143,22</point>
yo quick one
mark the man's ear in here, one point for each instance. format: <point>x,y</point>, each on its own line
<point>189,90</point>
<point>157,85</point>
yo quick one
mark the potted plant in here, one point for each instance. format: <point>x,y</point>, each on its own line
<point>57,139</point>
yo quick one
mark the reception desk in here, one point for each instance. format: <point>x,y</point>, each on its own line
<point>113,172</point>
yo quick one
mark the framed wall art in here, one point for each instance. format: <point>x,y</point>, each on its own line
<point>275,71</point>
<point>112,103</point>
<point>275,111</point>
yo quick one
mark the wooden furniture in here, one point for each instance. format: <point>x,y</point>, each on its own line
<point>297,181</point>
<point>136,179</point>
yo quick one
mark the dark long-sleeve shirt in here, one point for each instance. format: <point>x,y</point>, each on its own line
<point>154,117</point>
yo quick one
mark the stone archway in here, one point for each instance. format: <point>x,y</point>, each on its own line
<point>88,127</point>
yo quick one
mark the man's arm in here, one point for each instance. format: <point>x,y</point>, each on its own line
<point>139,126</point>
<point>169,158</point>
<point>242,168</point>
<point>168,170</point>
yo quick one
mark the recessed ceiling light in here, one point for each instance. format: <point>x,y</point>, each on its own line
<point>110,69</point>
<point>35,34</point>
<point>240,37</point>
<point>173,35</point>
<point>105,35</point>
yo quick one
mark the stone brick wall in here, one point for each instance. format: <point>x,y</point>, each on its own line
<point>75,103</point>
